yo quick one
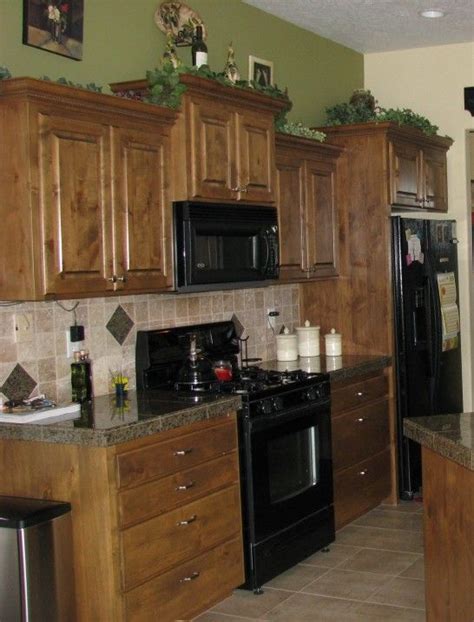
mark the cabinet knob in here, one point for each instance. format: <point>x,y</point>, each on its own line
<point>185,486</point>
<point>360,394</point>
<point>191,577</point>
<point>364,472</point>
<point>112,279</point>
<point>239,189</point>
<point>183,452</point>
<point>183,523</point>
<point>121,279</point>
<point>360,419</point>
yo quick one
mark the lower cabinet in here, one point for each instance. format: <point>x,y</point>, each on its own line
<point>157,532</point>
<point>361,445</point>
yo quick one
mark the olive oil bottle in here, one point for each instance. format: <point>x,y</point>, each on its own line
<point>81,379</point>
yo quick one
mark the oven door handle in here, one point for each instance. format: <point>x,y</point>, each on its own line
<point>315,409</point>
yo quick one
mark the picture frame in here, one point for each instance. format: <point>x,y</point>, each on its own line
<point>260,71</point>
<point>54,26</point>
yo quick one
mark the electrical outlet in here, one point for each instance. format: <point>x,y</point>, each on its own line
<point>72,346</point>
<point>272,315</point>
<point>23,326</point>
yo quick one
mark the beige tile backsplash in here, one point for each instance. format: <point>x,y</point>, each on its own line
<point>44,356</point>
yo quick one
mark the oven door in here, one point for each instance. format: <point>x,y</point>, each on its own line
<point>289,468</point>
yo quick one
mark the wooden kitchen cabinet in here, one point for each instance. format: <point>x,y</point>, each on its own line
<point>85,180</point>
<point>307,205</point>
<point>223,142</point>
<point>361,445</point>
<point>157,531</point>
<point>418,174</point>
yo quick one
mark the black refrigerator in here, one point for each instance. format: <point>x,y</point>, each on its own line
<point>427,333</point>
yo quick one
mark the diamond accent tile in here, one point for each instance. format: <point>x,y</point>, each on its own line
<point>120,324</point>
<point>19,384</point>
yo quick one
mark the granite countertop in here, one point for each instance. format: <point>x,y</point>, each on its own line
<point>338,367</point>
<point>104,422</point>
<point>450,436</point>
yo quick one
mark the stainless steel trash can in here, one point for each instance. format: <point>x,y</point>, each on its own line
<point>36,562</point>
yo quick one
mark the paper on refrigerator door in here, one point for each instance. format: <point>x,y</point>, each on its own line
<point>449,310</point>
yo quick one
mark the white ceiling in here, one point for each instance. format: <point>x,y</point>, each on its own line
<point>378,25</point>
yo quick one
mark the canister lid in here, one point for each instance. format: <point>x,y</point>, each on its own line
<point>307,327</point>
<point>332,335</point>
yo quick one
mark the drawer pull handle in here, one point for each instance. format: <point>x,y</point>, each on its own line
<point>183,452</point>
<point>191,577</point>
<point>360,419</point>
<point>183,523</point>
<point>185,486</point>
<point>364,472</point>
<point>359,394</point>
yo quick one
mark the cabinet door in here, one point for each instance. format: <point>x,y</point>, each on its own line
<point>292,217</point>
<point>211,150</point>
<point>74,182</point>
<point>435,180</point>
<point>321,223</point>
<point>406,188</point>
<point>141,210</point>
<point>256,157</point>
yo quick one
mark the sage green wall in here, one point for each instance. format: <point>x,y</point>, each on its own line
<point>121,42</point>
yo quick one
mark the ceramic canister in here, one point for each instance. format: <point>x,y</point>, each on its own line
<point>308,340</point>
<point>333,343</point>
<point>287,346</point>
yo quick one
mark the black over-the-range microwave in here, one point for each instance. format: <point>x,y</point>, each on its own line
<point>223,246</point>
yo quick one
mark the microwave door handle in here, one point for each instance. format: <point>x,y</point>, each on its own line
<point>267,249</point>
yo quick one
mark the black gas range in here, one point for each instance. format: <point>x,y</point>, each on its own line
<point>284,438</point>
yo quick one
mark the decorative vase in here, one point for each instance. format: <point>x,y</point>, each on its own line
<point>231,70</point>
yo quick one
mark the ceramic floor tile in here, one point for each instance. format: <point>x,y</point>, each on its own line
<point>378,538</point>
<point>383,562</point>
<point>403,506</point>
<point>245,603</point>
<point>313,608</point>
<point>401,592</point>
<point>296,578</point>
<point>369,612</point>
<point>347,584</point>
<point>219,617</point>
<point>392,520</point>
<point>336,554</point>
<point>416,570</point>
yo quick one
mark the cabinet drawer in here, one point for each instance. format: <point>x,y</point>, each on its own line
<point>161,495</point>
<point>358,393</point>
<point>154,546</point>
<point>188,589</point>
<point>359,434</point>
<point>160,459</point>
<point>361,487</point>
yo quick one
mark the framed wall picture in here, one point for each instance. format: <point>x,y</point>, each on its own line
<point>260,71</point>
<point>54,26</point>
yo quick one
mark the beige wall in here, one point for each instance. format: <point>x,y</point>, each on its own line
<point>431,82</point>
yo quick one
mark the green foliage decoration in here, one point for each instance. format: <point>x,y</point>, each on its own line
<point>362,108</point>
<point>298,129</point>
<point>88,87</point>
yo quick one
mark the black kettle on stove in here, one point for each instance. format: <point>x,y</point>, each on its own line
<point>197,372</point>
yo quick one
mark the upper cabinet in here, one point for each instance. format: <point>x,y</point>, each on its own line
<point>418,173</point>
<point>307,205</point>
<point>223,142</point>
<point>84,193</point>
<point>414,164</point>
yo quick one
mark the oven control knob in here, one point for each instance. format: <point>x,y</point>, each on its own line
<point>311,394</point>
<point>277,403</point>
<point>265,407</point>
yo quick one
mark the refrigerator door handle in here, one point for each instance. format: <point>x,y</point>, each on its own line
<point>435,328</point>
<point>430,337</point>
